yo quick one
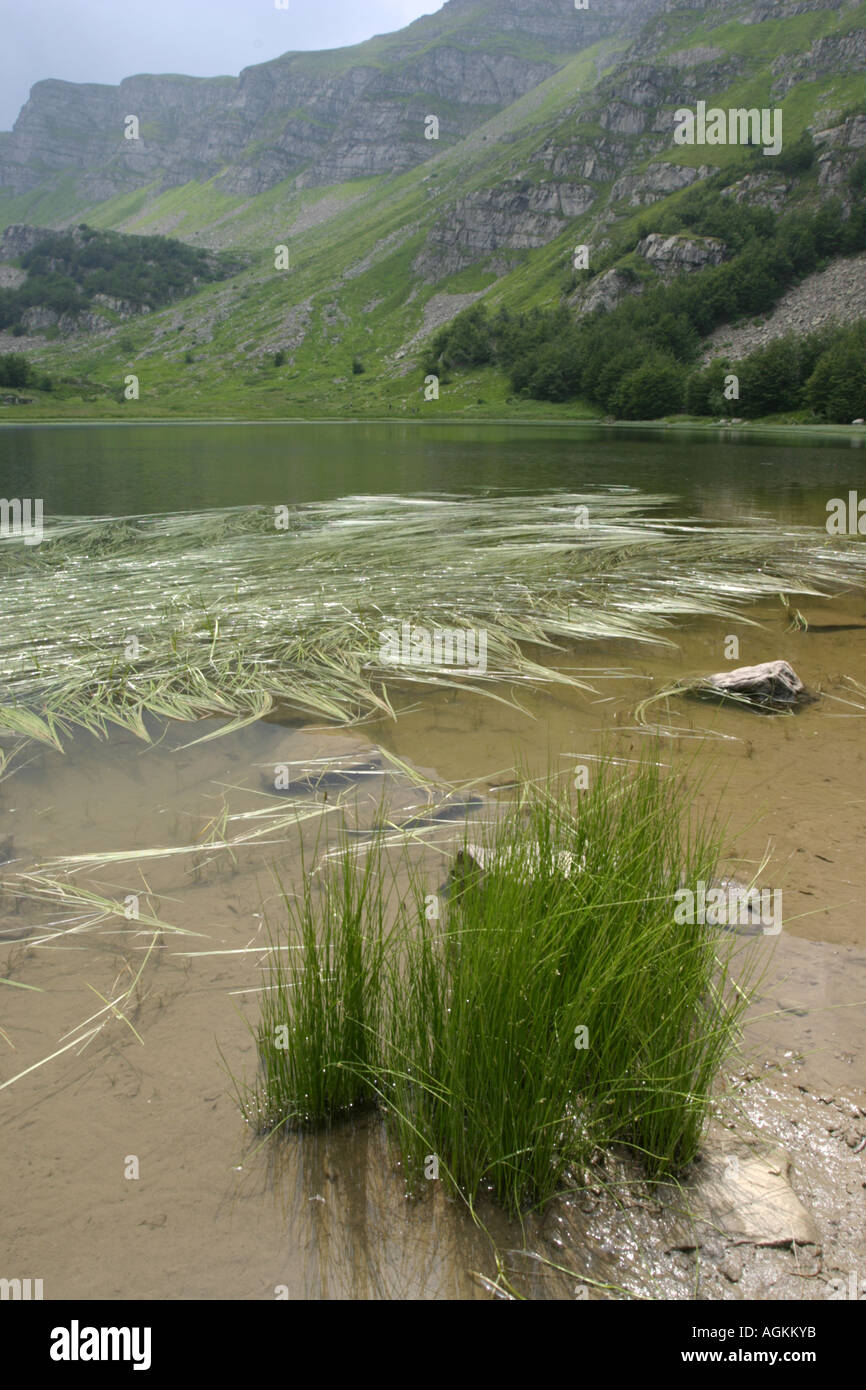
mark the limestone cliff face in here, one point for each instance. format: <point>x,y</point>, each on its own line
<point>321,117</point>
<point>66,127</point>
<point>18,239</point>
<point>608,156</point>
<point>838,54</point>
<point>514,215</point>
<point>676,255</point>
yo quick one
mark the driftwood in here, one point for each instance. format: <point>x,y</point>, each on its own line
<point>771,685</point>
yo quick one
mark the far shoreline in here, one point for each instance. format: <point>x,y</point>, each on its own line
<point>678,425</point>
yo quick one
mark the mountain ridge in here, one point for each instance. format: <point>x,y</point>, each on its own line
<point>322,117</point>
<point>585,155</point>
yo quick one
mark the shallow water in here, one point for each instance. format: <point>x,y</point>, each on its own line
<point>210,1215</point>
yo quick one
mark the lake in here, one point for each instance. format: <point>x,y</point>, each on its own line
<point>209,1212</point>
<point>111,470</point>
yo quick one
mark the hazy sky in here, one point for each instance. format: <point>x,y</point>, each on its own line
<point>106,40</point>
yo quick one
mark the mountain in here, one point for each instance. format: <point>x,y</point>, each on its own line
<point>556,128</point>
<point>320,117</point>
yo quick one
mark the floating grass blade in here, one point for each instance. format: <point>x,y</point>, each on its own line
<point>220,614</point>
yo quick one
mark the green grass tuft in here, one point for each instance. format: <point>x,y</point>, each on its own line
<point>464,1023</point>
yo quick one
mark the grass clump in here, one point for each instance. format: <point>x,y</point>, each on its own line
<point>320,1026</point>
<point>555,1006</point>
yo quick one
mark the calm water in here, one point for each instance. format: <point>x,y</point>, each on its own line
<point>120,470</point>
<point>325,1216</point>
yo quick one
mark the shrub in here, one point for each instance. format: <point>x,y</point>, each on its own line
<point>704,392</point>
<point>857,174</point>
<point>797,158</point>
<point>770,379</point>
<point>621,361</point>
<point>465,342</point>
<point>15,370</point>
<point>654,388</point>
<point>836,388</point>
<point>555,376</point>
<point>65,270</point>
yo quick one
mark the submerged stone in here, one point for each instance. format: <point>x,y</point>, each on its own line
<point>771,684</point>
<point>324,779</point>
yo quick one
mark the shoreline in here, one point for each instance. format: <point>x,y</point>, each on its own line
<point>857,432</point>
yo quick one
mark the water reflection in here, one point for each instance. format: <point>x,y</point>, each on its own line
<point>124,469</point>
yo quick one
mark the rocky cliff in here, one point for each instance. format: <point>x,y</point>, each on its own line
<point>607,154</point>
<point>322,118</point>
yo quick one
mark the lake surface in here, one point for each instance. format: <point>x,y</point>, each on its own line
<point>93,470</point>
<point>213,1215</point>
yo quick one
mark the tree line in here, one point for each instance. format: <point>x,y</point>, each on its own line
<point>66,269</point>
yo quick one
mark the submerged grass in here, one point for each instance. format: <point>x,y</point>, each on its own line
<point>233,613</point>
<point>552,1008</point>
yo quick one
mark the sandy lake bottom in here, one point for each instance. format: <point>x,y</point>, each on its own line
<point>214,1213</point>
